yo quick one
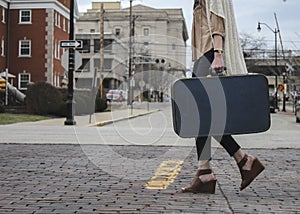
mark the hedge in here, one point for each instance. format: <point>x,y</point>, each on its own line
<point>45,99</point>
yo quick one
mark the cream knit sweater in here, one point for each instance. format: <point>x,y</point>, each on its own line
<point>234,59</point>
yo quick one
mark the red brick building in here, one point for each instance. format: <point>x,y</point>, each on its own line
<point>34,29</point>
<point>3,34</point>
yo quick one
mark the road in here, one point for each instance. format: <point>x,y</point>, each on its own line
<point>121,168</point>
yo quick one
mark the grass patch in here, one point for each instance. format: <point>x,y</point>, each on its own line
<point>17,118</point>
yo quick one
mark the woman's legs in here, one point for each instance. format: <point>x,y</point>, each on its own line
<point>203,144</point>
<point>234,150</point>
<point>249,166</point>
<point>204,177</point>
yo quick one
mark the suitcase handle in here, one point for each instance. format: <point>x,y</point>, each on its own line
<point>214,72</point>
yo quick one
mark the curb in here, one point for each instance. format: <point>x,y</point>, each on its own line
<point>103,123</point>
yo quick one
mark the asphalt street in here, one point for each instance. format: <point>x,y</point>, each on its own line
<point>51,168</point>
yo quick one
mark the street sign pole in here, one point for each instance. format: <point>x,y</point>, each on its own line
<point>70,102</point>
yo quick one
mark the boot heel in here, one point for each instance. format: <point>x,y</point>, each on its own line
<point>209,187</point>
<point>249,175</point>
<point>197,186</point>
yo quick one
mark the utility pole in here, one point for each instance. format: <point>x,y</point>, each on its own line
<point>129,100</point>
<point>101,51</point>
<point>70,102</point>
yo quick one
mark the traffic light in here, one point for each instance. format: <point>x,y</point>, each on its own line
<point>2,85</point>
<point>160,61</point>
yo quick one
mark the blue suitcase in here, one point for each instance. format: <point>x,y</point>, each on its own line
<point>220,105</point>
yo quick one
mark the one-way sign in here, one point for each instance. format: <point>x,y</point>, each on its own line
<point>71,44</point>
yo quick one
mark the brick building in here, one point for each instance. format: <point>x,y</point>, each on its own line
<point>34,29</point>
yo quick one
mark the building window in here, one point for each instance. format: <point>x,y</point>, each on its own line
<point>64,24</point>
<point>24,48</point>
<point>86,46</point>
<point>2,47</point>
<point>58,20</point>
<point>25,17</point>
<point>24,80</point>
<point>96,45</point>
<point>107,43</point>
<point>92,30</point>
<point>107,66</point>
<point>56,79</point>
<point>97,64</point>
<point>146,31</point>
<point>173,47</point>
<point>118,31</point>
<point>3,15</point>
<point>56,50</point>
<point>68,26</point>
<point>85,67</point>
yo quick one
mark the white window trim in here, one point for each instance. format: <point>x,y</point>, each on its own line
<point>19,80</point>
<point>20,17</point>
<point>2,47</point>
<point>55,18</point>
<point>55,50</point>
<point>20,44</point>
<point>3,15</point>
<point>58,20</point>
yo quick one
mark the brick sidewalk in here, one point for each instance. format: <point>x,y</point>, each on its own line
<point>62,179</point>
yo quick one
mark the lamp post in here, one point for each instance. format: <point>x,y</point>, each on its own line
<point>70,102</point>
<point>275,31</point>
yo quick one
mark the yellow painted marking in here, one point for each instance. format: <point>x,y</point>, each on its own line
<point>165,174</point>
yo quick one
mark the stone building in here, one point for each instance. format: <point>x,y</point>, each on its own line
<point>159,43</point>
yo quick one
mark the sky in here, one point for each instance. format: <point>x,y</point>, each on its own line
<point>247,12</point>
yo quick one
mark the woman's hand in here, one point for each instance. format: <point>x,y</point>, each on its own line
<point>218,63</point>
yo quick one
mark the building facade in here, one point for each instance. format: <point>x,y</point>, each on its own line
<point>3,34</point>
<point>31,32</point>
<point>159,41</point>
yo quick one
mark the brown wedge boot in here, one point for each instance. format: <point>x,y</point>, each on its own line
<point>197,186</point>
<point>249,175</point>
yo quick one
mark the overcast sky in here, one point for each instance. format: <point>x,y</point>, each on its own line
<point>247,12</point>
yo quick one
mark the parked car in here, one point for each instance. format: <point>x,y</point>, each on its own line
<point>116,95</point>
<point>297,109</point>
<point>298,114</point>
<point>272,103</point>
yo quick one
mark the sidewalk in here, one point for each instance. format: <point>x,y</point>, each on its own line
<point>118,113</point>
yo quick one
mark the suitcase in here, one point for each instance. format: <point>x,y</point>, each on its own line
<point>220,105</point>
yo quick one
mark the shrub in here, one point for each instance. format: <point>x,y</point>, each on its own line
<point>1,108</point>
<point>43,99</point>
<point>101,104</point>
<point>87,102</point>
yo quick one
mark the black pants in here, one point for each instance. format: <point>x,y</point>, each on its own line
<point>203,144</point>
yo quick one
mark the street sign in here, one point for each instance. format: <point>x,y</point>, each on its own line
<point>71,44</point>
<point>142,84</point>
<point>65,60</point>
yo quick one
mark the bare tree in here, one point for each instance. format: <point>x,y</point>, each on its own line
<point>249,42</point>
